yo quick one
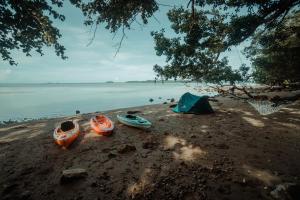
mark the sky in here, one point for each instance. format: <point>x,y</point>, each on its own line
<point>97,62</point>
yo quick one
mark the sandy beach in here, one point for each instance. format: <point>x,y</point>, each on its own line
<point>234,153</point>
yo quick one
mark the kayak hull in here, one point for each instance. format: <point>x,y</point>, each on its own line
<point>102,125</point>
<point>137,122</point>
<point>66,138</point>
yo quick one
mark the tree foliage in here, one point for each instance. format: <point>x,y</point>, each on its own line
<point>116,14</point>
<point>194,54</point>
<point>26,25</point>
<point>275,54</point>
<point>210,28</point>
<point>245,17</point>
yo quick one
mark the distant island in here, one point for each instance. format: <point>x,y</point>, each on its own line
<point>157,81</point>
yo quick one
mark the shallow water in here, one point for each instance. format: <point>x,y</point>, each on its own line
<point>31,101</point>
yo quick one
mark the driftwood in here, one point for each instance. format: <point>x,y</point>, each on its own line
<point>287,98</point>
<point>230,91</point>
<point>292,86</point>
<point>243,89</point>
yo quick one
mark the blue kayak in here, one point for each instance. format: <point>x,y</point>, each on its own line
<point>134,120</point>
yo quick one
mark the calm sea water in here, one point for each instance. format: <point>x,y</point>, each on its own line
<point>31,101</point>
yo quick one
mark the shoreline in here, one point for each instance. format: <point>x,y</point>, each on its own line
<point>43,103</point>
<point>14,122</point>
<point>36,111</point>
<point>167,101</point>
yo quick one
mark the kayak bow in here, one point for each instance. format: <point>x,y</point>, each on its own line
<point>102,125</point>
<point>134,120</point>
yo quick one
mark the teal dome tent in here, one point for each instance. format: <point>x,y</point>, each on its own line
<point>190,103</point>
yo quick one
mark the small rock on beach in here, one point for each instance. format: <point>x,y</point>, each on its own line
<point>69,175</point>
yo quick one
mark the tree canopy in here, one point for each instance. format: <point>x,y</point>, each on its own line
<point>194,54</point>
<point>27,26</point>
<point>210,28</point>
<point>205,29</point>
<point>275,54</point>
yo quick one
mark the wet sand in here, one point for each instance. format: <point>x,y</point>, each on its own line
<point>234,153</point>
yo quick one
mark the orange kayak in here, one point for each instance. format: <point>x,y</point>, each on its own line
<point>102,125</point>
<point>66,132</point>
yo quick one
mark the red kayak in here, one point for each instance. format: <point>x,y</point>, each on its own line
<point>102,125</point>
<point>66,132</point>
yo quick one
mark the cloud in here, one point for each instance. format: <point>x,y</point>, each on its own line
<point>4,73</point>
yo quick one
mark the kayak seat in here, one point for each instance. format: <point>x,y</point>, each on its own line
<point>66,126</point>
<point>131,116</point>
